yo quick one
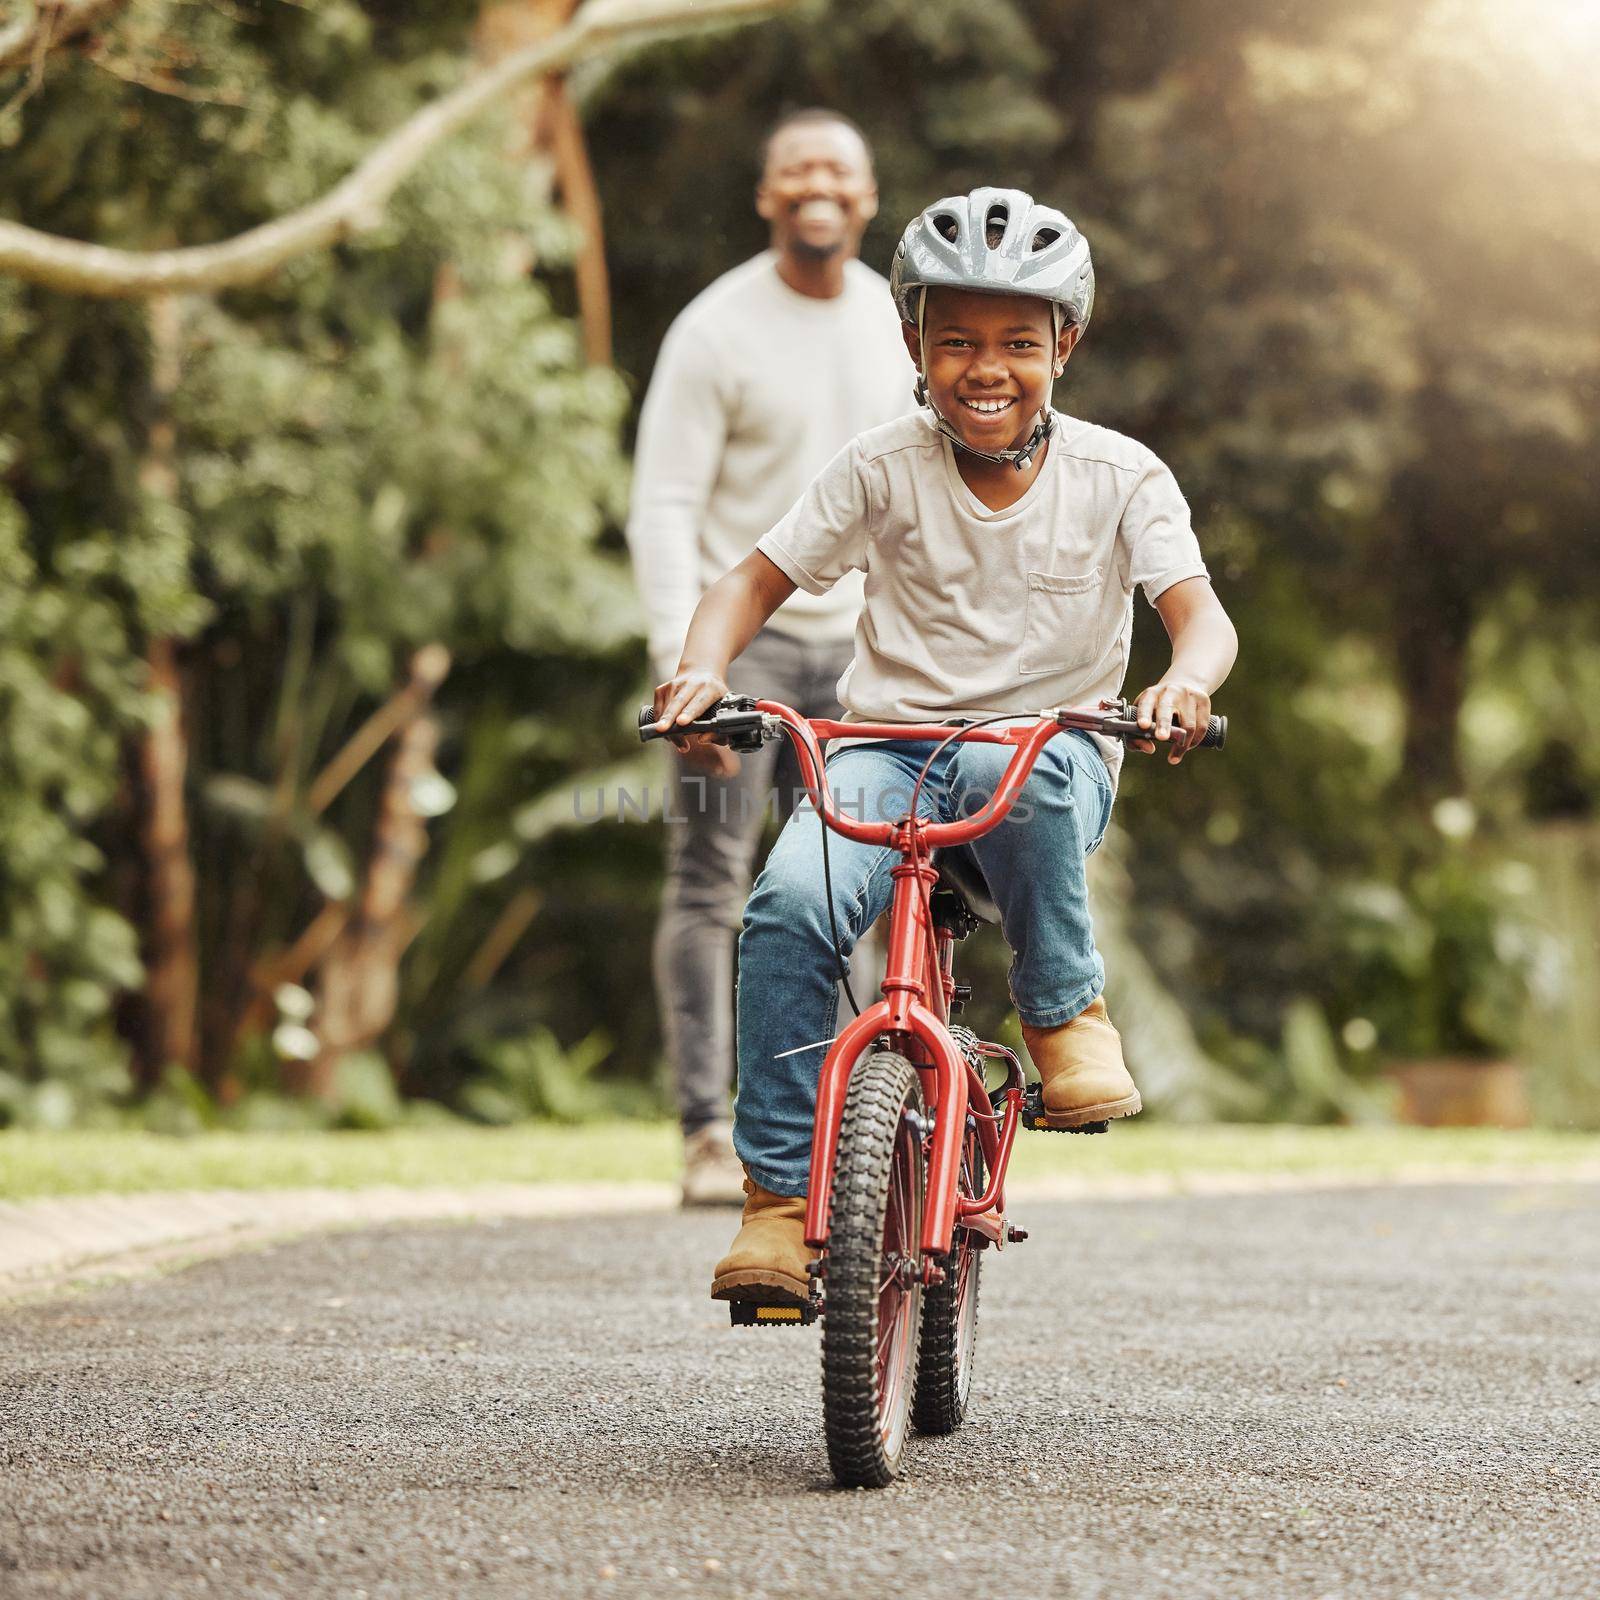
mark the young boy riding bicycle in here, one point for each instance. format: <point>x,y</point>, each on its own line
<point>1001,543</point>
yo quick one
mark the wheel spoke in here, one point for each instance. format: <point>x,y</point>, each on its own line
<point>949,1318</point>
<point>892,1294</point>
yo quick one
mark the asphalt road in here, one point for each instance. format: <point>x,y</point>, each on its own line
<point>1372,1393</point>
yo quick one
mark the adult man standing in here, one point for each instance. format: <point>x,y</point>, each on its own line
<point>761,380</point>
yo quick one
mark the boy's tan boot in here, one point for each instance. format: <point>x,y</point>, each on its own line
<point>1081,1069</point>
<point>766,1264</point>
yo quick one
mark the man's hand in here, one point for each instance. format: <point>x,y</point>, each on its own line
<point>1177,712</point>
<point>683,697</point>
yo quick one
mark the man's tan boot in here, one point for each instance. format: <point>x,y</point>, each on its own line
<point>1081,1070</point>
<point>712,1174</point>
<point>766,1264</point>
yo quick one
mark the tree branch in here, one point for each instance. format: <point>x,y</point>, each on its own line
<point>356,204</point>
<point>563,136</point>
<point>46,26</point>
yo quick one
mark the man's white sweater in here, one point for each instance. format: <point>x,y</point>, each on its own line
<point>756,389</point>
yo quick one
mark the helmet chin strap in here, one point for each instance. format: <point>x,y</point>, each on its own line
<point>1044,424</point>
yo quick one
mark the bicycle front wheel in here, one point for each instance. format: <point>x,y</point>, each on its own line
<point>873,1287</point>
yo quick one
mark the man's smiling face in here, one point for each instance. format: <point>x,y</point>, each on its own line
<point>817,190</point>
<point>989,360</point>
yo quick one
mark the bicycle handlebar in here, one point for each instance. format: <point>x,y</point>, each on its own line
<point>737,722</point>
<point>745,724</point>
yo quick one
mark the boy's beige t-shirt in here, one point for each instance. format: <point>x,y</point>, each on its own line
<point>969,612</point>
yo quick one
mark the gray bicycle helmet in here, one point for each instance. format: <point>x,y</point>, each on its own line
<point>1039,252</point>
<point>1036,251</point>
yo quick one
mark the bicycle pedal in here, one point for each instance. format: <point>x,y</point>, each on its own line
<point>1032,1115</point>
<point>741,1314</point>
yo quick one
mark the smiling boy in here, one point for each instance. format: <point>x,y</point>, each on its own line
<point>1001,543</point>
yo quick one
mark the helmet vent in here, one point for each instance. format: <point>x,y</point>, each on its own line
<point>947,225</point>
<point>1044,238</point>
<point>994,224</point>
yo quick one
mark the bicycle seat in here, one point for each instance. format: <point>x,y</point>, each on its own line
<point>960,874</point>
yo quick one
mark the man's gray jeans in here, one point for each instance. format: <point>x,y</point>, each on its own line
<point>711,849</point>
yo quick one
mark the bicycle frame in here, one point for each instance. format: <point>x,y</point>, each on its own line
<point>919,986</point>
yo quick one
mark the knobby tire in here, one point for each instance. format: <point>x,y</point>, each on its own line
<point>868,1369</point>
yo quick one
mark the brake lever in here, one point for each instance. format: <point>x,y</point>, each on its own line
<point>1120,720</point>
<point>734,722</point>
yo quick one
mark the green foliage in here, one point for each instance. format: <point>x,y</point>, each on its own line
<point>364,1095</point>
<point>1320,1087</point>
<point>69,691</point>
<point>534,1076</point>
<point>393,443</point>
<point>1345,288</point>
<point>1344,293</point>
<point>1443,971</point>
<point>178,1106</point>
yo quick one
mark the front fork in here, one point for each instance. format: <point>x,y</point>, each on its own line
<point>953,1082</point>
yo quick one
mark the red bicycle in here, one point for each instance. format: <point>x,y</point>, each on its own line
<point>910,1145</point>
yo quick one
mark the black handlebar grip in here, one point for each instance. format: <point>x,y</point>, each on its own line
<point>1215,736</point>
<point>647,725</point>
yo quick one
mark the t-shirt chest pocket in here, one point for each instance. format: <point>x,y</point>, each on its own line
<point>1060,631</point>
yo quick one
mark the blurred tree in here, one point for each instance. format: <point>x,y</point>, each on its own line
<point>1348,243</point>
<point>238,524</point>
<point>1347,287</point>
<point>1347,282</point>
<point>1348,296</point>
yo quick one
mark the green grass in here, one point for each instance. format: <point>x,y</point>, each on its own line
<point>35,1164</point>
<point>1154,1148</point>
<point>77,1163</point>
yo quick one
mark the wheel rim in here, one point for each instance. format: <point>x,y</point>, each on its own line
<point>897,1300</point>
<point>966,1314</point>
<point>967,1275</point>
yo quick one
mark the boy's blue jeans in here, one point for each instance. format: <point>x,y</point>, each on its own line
<point>1034,866</point>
